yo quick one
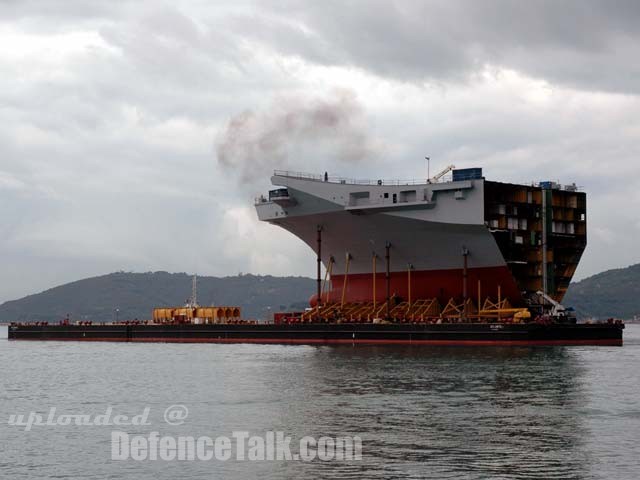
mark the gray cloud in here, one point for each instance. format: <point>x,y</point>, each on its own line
<point>587,44</point>
<point>111,113</point>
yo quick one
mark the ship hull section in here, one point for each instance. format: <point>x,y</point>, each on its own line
<point>440,284</point>
<point>425,245</point>
<point>432,250</point>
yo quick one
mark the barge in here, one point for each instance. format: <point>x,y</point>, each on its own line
<point>472,334</point>
<point>450,260</point>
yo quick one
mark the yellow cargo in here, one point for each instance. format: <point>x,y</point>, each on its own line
<point>162,314</point>
<point>205,314</point>
<point>183,313</point>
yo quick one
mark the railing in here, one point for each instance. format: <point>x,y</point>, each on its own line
<point>354,181</point>
<point>395,182</point>
<point>568,187</point>
<point>302,175</point>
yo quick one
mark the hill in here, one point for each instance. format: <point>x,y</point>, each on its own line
<point>136,294</point>
<point>614,293</point>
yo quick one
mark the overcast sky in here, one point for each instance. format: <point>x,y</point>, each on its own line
<point>135,135</point>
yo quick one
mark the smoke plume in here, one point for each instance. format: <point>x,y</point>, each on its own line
<point>253,144</point>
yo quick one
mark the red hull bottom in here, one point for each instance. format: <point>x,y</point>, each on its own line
<point>440,284</point>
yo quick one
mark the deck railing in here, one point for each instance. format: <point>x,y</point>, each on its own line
<point>396,182</point>
<point>353,181</point>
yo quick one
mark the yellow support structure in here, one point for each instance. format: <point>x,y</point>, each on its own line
<point>374,281</point>
<point>409,283</point>
<point>327,274</point>
<point>344,284</point>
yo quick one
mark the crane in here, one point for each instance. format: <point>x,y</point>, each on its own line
<point>441,174</point>
<point>557,309</point>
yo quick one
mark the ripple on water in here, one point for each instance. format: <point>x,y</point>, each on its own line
<point>464,413</point>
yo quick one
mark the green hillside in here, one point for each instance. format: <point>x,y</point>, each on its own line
<point>136,294</point>
<point>614,293</point>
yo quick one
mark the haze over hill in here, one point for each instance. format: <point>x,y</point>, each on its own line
<point>614,293</point>
<point>134,295</point>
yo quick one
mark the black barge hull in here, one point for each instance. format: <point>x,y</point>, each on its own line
<point>431,334</point>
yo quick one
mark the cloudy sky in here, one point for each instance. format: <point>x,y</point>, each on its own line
<point>134,135</point>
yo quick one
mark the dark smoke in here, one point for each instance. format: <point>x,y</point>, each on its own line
<point>255,143</point>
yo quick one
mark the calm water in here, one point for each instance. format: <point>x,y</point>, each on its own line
<point>421,412</point>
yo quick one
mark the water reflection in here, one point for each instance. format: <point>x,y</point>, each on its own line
<point>452,412</point>
<point>464,413</point>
